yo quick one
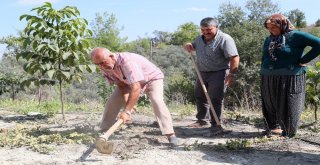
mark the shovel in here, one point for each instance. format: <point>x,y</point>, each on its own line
<point>102,144</point>
<point>206,93</point>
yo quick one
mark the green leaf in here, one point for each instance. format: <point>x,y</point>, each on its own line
<point>23,16</point>
<point>90,32</point>
<point>80,46</point>
<point>44,24</point>
<point>28,56</point>
<point>35,34</point>
<point>26,42</point>
<point>76,55</point>
<point>36,83</point>
<point>34,45</point>
<point>29,31</point>
<point>43,67</point>
<point>86,22</point>
<point>54,47</point>
<point>48,66</point>
<point>23,54</point>
<point>47,4</point>
<point>50,73</point>
<point>86,43</point>
<point>81,68</point>
<point>67,74</point>
<point>38,25</point>
<point>28,17</point>
<point>91,68</point>
<point>66,55</point>
<point>40,47</point>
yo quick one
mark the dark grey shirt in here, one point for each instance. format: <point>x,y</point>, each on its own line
<point>214,55</point>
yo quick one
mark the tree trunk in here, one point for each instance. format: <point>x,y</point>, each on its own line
<point>12,89</point>
<point>61,99</point>
<point>39,95</point>
<point>315,113</point>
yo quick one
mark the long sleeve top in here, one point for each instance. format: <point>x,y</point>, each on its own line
<point>290,55</point>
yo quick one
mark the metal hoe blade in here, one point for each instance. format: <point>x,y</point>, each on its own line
<point>104,146</point>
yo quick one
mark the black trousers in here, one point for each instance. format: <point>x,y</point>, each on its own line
<point>214,83</point>
<point>283,98</point>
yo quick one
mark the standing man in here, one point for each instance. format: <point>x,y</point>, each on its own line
<point>218,61</point>
<point>132,74</point>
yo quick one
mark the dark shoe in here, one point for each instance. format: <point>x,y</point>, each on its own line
<point>288,135</point>
<point>198,124</point>
<point>266,133</point>
<point>216,129</point>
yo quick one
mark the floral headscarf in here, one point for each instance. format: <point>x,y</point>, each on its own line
<point>285,26</point>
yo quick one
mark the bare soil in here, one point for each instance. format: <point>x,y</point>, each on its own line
<point>141,142</point>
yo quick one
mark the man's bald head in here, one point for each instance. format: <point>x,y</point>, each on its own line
<point>103,58</point>
<point>99,52</point>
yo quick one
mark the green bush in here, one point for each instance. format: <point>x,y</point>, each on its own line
<point>180,89</point>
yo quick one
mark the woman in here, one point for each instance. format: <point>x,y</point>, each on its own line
<point>283,74</point>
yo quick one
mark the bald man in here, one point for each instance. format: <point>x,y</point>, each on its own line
<point>132,74</point>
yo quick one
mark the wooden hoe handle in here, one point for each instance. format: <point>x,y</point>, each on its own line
<point>205,92</point>
<point>113,128</point>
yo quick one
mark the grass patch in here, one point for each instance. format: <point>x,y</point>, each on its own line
<point>175,109</point>
<point>236,144</point>
<point>230,145</point>
<point>308,115</point>
<point>40,139</point>
<point>182,110</point>
<point>248,117</point>
<point>48,108</point>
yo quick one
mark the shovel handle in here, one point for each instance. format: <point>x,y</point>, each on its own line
<point>205,92</point>
<point>113,128</point>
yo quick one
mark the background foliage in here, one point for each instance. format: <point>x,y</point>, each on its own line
<point>244,24</point>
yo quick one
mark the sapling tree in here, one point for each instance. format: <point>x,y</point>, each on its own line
<point>9,83</point>
<point>58,46</point>
<point>313,88</point>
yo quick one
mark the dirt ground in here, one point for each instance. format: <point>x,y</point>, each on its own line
<point>140,142</point>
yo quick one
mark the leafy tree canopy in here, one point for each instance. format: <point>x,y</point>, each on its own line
<point>297,18</point>
<point>106,32</point>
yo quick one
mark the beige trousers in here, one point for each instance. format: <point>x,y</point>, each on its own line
<point>155,94</point>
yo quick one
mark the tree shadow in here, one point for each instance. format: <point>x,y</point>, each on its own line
<point>24,118</point>
<point>188,132</point>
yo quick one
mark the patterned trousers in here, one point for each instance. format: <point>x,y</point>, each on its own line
<point>283,98</point>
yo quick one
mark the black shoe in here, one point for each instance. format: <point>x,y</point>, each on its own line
<point>198,124</point>
<point>216,129</point>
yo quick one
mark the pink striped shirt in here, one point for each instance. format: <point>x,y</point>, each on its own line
<point>131,68</point>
